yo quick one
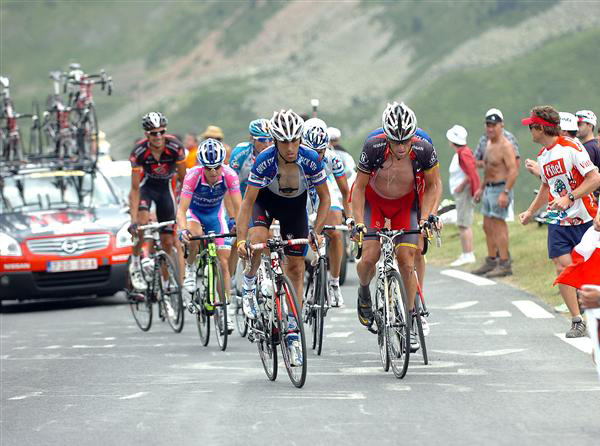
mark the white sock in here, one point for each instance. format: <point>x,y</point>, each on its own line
<point>135,261</point>
<point>249,282</point>
<point>334,281</point>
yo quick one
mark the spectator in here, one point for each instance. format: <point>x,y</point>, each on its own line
<point>190,142</point>
<point>464,181</point>
<point>496,194</point>
<point>482,144</point>
<point>587,123</point>
<point>212,131</point>
<point>569,177</point>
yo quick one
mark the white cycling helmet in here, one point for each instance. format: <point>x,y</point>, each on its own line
<point>334,133</point>
<point>286,125</point>
<point>399,122</point>
<point>315,134</point>
<point>211,153</point>
<point>153,120</point>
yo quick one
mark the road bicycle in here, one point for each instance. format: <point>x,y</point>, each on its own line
<point>210,297</point>
<point>316,295</point>
<point>279,319</point>
<point>164,287</point>
<point>57,129</point>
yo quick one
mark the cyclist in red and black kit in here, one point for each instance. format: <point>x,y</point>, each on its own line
<point>155,161</point>
<point>397,179</point>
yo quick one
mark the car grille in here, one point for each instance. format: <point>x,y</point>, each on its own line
<point>72,278</point>
<point>69,245</point>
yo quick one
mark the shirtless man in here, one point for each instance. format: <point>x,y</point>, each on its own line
<point>495,194</point>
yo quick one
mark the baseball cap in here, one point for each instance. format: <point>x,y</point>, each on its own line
<point>212,131</point>
<point>587,116</point>
<point>494,115</point>
<point>568,122</point>
<point>457,134</point>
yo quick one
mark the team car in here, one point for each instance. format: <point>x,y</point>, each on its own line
<point>63,232</point>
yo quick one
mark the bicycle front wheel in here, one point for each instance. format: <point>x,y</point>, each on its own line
<point>320,299</point>
<point>140,305</point>
<point>171,296</point>
<point>220,303</point>
<point>417,316</point>
<point>398,331</point>
<point>380,318</point>
<point>291,333</point>
<point>267,349</point>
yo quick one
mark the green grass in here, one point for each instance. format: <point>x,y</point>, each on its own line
<point>533,271</point>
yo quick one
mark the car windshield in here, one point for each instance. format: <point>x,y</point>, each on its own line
<point>55,190</point>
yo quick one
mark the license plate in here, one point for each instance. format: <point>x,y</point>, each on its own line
<point>61,266</point>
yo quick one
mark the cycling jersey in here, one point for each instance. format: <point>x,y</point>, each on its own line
<point>242,159</point>
<point>334,168</point>
<point>206,205</point>
<point>563,167</point>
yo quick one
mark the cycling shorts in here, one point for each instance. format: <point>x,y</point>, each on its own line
<point>212,220</point>
<point>291,213</point>
<point>162,193</point>
<point>402,213</point>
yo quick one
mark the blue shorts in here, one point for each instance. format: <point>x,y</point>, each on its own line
<point>212,220</point>
<point>562,239</point>
<point>489,201</point>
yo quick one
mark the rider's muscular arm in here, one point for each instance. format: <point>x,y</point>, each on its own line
<point>235,202</point>
<point>324,205</point>
<point>358,196</point>
<point>342,183</point>
<point>184,204</point>
<point>439,191</point>
<point>180,176</point>
<point>246,211</point>
<point>430,195</point>
<point>510,161</point>
<point>134,194</point>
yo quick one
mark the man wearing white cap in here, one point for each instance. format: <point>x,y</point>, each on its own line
<point>464,181</point>
<point>586,121</point>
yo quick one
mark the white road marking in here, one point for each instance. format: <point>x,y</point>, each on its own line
<point>361,407</point>
<point>554,390</point>
<point>584,344</point>
<point>133,396</point>
<point>490,322</point>
<point>501,313</point>
<point>329,395</point>
<point>532,310</point>
<point>488,353</point>
<point>486,314</point>
<point>93,346</point>
<point>339,334</point>
<point>495,332</point>
<point>468,277</point>
<point>21,347</point>
<point>52,347</point>
<point>462,305</point>
<point>455,387</point>
<point>397,387</point>
<point>27,395</point>
<point>109,338</point>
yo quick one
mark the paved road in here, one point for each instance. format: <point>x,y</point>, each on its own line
<point>82,373</point>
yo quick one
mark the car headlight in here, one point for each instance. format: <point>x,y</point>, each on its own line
<point>9,246</point>
<point>124,237</point>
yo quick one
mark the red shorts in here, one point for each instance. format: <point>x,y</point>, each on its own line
<point>402,213</point>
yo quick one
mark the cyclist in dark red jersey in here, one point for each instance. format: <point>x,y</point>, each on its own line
<point>397,179</point>
<point>156,160</point>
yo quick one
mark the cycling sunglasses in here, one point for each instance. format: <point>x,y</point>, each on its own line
<point>263,138</point>
<point>213,168</point>
<point>157,133</point>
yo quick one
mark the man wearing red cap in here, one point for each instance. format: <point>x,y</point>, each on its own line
<point>568,178</point>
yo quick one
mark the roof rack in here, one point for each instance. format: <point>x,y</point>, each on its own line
<point>34,162</point>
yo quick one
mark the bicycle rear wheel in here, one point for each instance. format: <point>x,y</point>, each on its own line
<point>220,303</point>
<point>240,318</point>
<point>320,299</point>
<point>286,307</point>
<point>398,333</point>
<point>417,316</point>
<point>171,296</point>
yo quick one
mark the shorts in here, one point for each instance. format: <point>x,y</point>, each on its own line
<point>562,239</point>
<point>291,213</point>
<point>163,195</point>
<point>402,213</point>
<point>489,201</point>
<point>212,220</point>
<point>464,208</point>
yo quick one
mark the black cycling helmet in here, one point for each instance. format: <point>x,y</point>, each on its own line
<point>153,120</point>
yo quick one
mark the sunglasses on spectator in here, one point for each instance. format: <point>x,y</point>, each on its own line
<point>534,126</point>
<point>157,133</point>
<point>263,138</point>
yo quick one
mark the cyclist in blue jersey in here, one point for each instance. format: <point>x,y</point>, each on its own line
<point>315,136</point>
<point>278,188</point>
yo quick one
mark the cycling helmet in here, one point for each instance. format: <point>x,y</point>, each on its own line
<point>285,125</point>
<point>211,153</point>
<point>334,133</point>
<point>315,134</point>
<point>399,122</point>
<point>259,127</point>
<point>153,120</point>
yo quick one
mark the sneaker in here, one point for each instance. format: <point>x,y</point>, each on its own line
<point>189,281</point>
<point>464,259</point>
<point>336,296</point>
<point>249,302</point>
<point>137,280</point>
<point>229,323</point>
<point>364,309</point>
<point>577,328</point>
<point>489,264</point>
<point>502,269</point>
<point>414,341</point>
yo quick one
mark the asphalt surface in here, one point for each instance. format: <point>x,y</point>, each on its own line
<point>82,373</point>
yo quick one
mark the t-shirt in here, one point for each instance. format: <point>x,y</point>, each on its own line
<point>593,151</point>
<point>563,167</point>
<point>457,176</point>
<point>163,169</point>
<point>208,196</point>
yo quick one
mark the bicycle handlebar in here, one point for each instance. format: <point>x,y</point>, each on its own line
<point>156,226</point>
<point>280,243</point>
<point>211,236</point>
<point>336,228</point>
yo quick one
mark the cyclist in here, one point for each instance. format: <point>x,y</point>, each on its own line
<point>278,188</point>
<point>397,179</point>
<point>202,208</point>
<point>244,154</point>
<point>315,136</point>
<point>155,161</point>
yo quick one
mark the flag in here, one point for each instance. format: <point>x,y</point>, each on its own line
<point>585,268</point>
